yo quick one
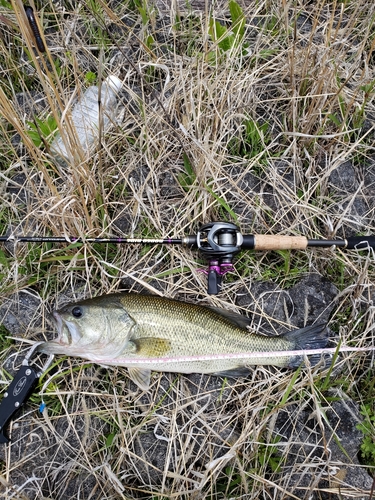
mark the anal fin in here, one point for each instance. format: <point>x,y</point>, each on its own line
<point>141,377</point>
<point>240,371</point>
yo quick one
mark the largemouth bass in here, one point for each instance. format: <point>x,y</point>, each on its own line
<point>161,334</point>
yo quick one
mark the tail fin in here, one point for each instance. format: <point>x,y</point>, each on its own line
<point>310,337</point>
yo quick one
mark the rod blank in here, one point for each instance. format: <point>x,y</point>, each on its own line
<point>62,239</point>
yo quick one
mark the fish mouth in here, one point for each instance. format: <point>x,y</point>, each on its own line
<point>64,336</point>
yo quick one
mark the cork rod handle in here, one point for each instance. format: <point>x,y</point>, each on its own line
<point>269,242</point>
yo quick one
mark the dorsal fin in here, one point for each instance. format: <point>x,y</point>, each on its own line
<point>235,318</point>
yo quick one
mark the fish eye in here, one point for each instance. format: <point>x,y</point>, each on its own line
<point>77,312</point>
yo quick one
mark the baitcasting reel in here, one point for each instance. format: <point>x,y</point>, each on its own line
<point>218,242</point>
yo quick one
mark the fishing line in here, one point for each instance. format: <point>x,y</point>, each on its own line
<point>216,357</point>
<point>231,356</point>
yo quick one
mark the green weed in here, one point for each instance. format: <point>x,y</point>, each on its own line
<point>365,388</point>
<point>5,262</point>
<point>269,455</point>
<point>326,382</point>
<point>224,208</point>
<point>145,10</point>
<point>41,131</point>
<point>187,178</point>
<point>228,482</point>
<point>91,78</point>
<point>283,267</point>
<point>5,341</point>
<point>349,117</point>
<point>367,427</point>
<point>251,141</point>
<point>187,41</point>
<point>229,40</point>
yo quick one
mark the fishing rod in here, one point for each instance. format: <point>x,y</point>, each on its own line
<point>218,242</point>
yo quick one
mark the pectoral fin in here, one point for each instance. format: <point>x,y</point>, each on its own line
<point>146,347</point>
<point>141,377</point>
<point>151,347</point>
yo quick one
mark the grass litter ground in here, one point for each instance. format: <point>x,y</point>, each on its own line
<point>260,113</point>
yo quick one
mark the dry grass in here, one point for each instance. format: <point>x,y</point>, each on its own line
<point>307,71</point>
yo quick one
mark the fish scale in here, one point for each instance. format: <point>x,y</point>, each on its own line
<point>114,328</point>
<point>199,330</point>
